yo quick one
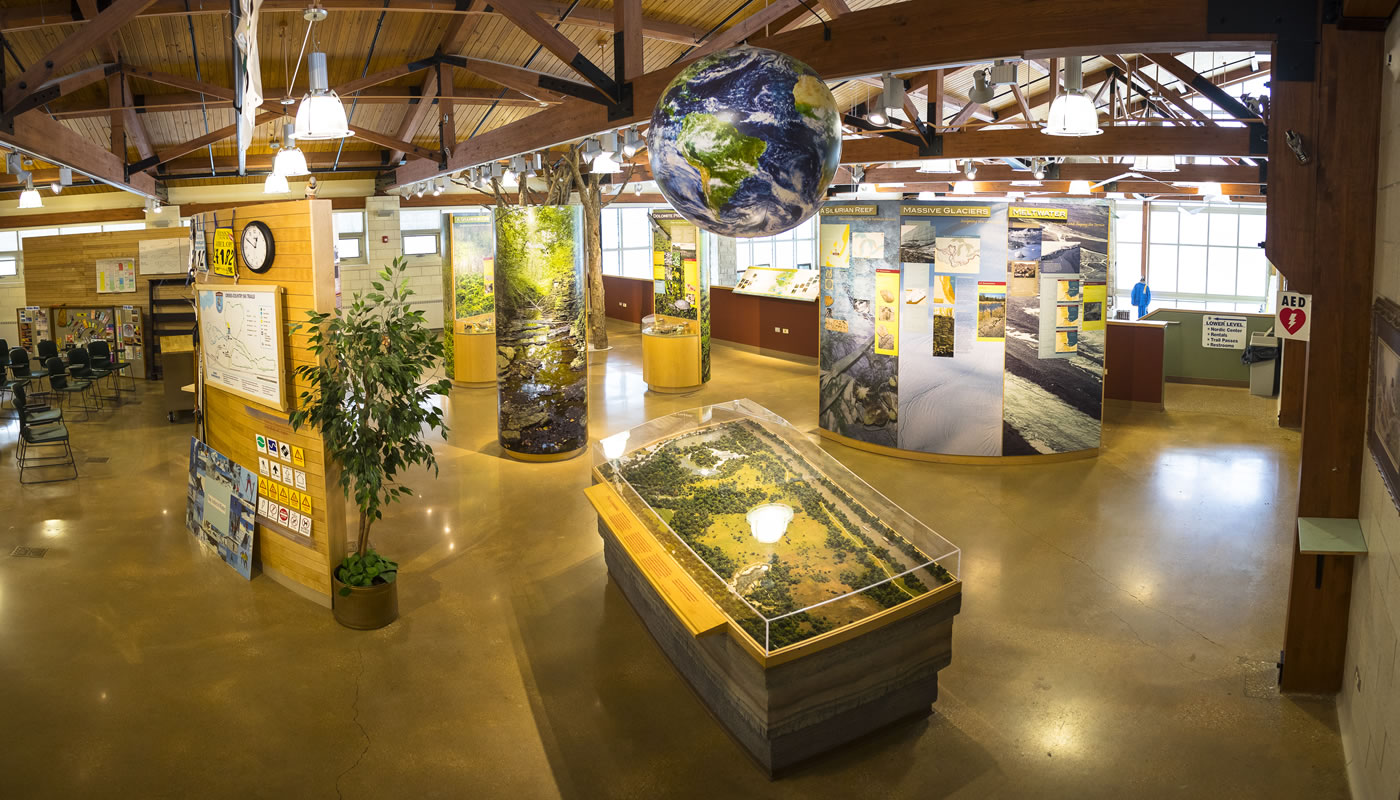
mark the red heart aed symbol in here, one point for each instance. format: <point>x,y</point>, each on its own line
<point>1292,319</point>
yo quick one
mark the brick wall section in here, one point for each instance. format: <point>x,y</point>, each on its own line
<point>1370,716</point>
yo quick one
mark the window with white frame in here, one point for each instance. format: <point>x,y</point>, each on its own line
<point>626,238</point>
<point>787,250</point>
<point>9,254</point>
<point>421,230</point>
<point>349,236</point>
<point>1199,255</point>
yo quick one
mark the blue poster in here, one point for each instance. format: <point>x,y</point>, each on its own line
<point>222,499</point>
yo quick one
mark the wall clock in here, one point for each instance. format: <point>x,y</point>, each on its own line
<point>258,247</point>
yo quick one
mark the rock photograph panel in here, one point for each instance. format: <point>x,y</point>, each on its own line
<point>541,349</point>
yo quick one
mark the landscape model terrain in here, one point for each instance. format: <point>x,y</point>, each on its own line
<point>698,488</point>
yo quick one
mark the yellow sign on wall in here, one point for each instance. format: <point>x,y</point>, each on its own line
<point>1095,306</point>
<point>221,255</point>
<point>887,312</point>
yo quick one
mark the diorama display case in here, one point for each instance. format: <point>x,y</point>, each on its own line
<point>804,608</point>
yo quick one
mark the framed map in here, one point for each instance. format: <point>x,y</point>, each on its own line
<point>240,339</point>
<point>957,255</point>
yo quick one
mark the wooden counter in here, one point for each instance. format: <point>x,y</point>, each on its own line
<point>671,363</point>
<point>474,359</point>
<point>1135,361</point>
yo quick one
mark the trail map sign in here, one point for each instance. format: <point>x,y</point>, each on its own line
<point>240,338</point>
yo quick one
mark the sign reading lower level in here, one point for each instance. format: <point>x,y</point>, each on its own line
<point>1223,333</point>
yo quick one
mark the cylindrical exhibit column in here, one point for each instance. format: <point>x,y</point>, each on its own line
<point>541,349</point>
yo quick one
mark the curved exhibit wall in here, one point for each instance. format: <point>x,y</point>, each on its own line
<point>964,329</point>
<point>541,347</point>
<point>681,291</point>
<point>468,296</point>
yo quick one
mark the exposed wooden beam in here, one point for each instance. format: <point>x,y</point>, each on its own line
<point>189,101</point>
<point>1374,9</point>
<point>437,83</point>
<point>627,21</point>
<point>965,114</point>
<point>935,99</point>
<point>447,118</point>
<point>999,173</point>
<point>525,81</point>
<point>834,8</point>
<point>374,79</point>
<point>350,160</point>
<point>894,38</point>
<point>117,121</point>
<point>176,150</point>
<point>49,140</point>
<point>1167,94</point>
<point>1021,102</point>
<point>88,35</point>
<point>1202,84</point>
<point>563,48</point>
<point>743,29</point>
<point>1114,141</point>
<point>394,143</point>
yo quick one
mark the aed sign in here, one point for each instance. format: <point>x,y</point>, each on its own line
<point>1294,319</point>
<point>221,255</point>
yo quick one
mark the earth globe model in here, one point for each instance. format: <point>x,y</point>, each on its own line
<point>745,141</point>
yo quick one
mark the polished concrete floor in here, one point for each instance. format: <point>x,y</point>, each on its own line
<point>1120,624</point>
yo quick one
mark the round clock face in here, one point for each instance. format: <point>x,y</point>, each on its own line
<point>257,247</point>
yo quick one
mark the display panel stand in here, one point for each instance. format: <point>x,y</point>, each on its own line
<point>787,707</point>
<point>474,359</point>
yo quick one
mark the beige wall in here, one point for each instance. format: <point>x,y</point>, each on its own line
<point>1370,714</point>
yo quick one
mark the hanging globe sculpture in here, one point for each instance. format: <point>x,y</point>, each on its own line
<point>745,141</point>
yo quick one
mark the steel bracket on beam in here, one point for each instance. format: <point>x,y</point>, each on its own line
<point>28,103</point>
<point>1292,22</point>
<point>572,89</point>
<point>383,181</point>
<point>141,166</point>
<point>932,148</point>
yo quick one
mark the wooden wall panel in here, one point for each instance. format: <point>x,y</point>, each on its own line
<point>750,320</point>
<point>635,293</point>
<point>62,270</point>
<point>305,269</point>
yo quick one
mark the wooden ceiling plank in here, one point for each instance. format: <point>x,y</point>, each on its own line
<point>1200,83</point>
<point>1021,102</point>
<point>48,140</point>
<point>89,35</point>
<point>394,143</point>
<point>1114,141</point>
<point>563,48</point>
<point>525,81</point>
<point>743,29</point>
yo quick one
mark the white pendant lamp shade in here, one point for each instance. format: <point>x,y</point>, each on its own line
<point>276,184</point>
<point>964,187</point>
<point>290,161</point>
<point>321,115</point>
<point>29,198</point>
<point>1072,115</point>
<point>1154,164</point>
<point>1080,187</point>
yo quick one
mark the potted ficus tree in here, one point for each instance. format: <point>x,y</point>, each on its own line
<point>369,397</point>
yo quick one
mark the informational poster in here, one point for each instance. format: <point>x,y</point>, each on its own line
<point>283,504</point>
<point>991,311</point>
<point>793,284</point>
<point>1294,318</point>
<point>887,312</point>
<point>835,246</point>
<point>867,244</point>
<point>221,254</point>
<point>240,337</point>
<point>164,256</point>
<point>116,275</point>
<point>221,503</point>
<point>1222,332</point>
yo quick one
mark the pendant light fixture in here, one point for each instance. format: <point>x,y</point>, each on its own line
<point>1073,113</point>
<point>276,184</point>
<point>29,198</point>
<point>1079,187</point>
<point>290,161</point>
<point>321,115</point>
<point>1154,163</point>
<point>964,187</point>
<point>938,165</point>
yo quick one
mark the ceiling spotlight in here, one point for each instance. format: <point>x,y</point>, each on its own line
<point>893,95</point>
<point>938,165</point>
<point>877,117</point>
<point>56,187</point>
<point>290,161</point>
<point>155,206</point>
<point>964,187</point>
<point>1038,168</point>
<point>608,142</point>
<point>857,173</point>
<point>1154,164</point>
<point>1079,187</point>
<point>637,188</point>
<point>498,172</point>
<point>632,142</point>
<point>439,185</point>
<point>419,189</point>
<point>590,149</point>
<point>604,165</point>
<point>536,166</point>
<point>982,90</point>
<point>519,166</point>
<point>321,115</point>
<point>1073,113</point>
<point>970,169</point>
<point>276,184</point>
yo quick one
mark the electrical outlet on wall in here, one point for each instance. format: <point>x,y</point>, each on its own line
<point>777,330</point>
<point>785,330</point>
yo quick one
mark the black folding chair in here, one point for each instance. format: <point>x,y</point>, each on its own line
<point>43,445</point>
<point>66,387</point>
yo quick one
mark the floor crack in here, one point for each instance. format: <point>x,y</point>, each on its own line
<point>356,708</point>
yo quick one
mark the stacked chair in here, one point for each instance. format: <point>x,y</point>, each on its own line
<point>19,366</point>
<point>80,366</point>
<point>101,354</point>
<point>66,385</point>
<point>41,429</point>
<point>8,383</point>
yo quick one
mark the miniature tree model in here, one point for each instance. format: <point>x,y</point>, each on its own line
<point>368,398</point>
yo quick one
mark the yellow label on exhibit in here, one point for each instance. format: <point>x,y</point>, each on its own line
<point>1026,212</point>
<point>850,211</point>
<point>887,312</point>
<point>221,254</point>
<point>946,211</point>
<point>298,456</point>
<point>1095,307</point>
<point>691,270</point>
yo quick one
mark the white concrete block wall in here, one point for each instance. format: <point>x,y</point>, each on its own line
<point>1369,715</point>
<point>11,299</point>
<point>384,244</point>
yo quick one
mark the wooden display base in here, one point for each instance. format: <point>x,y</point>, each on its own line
<point>797,702</point>
<point>474,359</point>
<point>544,457</point>
<point>940,458</point>
<point>671,364</point>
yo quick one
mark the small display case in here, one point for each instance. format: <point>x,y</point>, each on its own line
<point>805,608</point>
<point>671,357</point>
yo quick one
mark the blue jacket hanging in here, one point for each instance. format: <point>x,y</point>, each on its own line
<point>1142,296</point>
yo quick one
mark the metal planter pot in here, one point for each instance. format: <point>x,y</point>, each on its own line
<point>366,608</point>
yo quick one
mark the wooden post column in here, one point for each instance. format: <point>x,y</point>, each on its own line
<point>1322,227</point>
